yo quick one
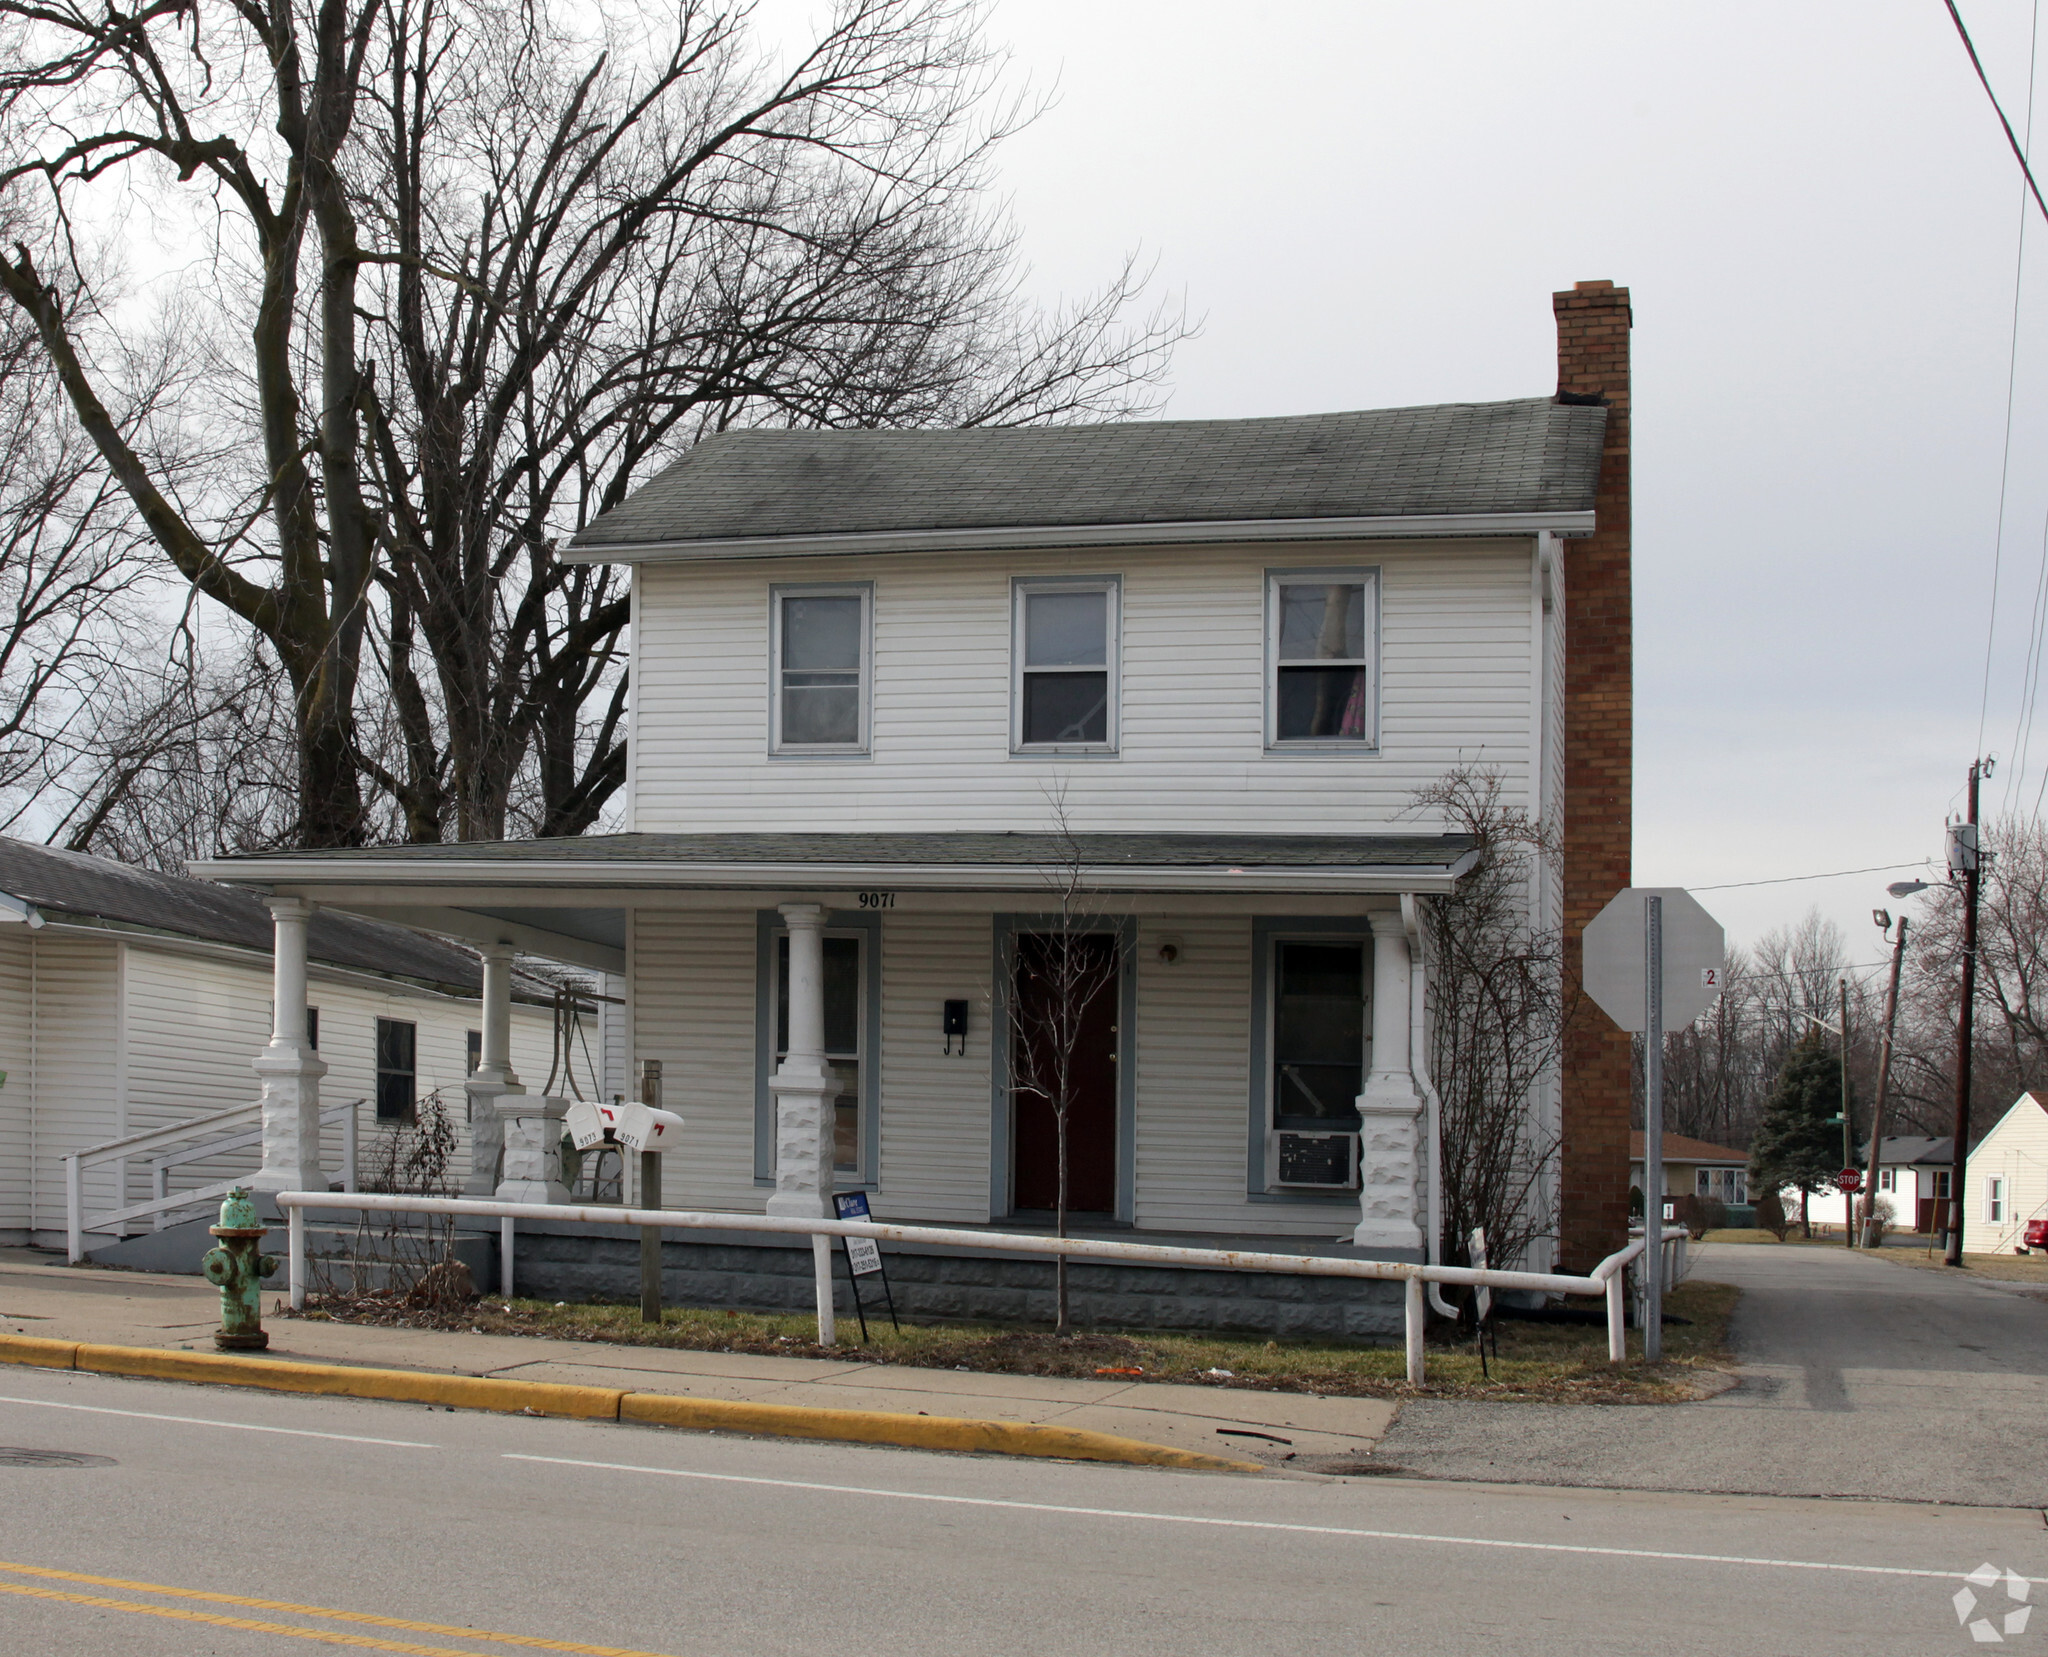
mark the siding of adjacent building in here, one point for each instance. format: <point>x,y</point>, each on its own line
<point>2016,1151</point>
<point>1457,654</point>
<point>105,1036</point>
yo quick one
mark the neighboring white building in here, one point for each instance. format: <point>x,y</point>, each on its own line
<point>131,1000</point>
<point>2005,1183</point>
<point>1913,1175</point>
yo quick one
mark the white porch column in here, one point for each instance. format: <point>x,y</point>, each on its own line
<point>802,1085</point>
<point>532,1126</point>
<point>494,1076</point>
<point>1390,1108</point>
<point>289,1068</point>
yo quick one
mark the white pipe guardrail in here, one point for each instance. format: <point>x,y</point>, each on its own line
<point>1606,1279</point>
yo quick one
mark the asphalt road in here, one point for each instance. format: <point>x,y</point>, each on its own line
<point>1859,1377</point>
<point>427,1531</point>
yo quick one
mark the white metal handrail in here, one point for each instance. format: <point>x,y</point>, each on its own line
<point>1606,1279</point>
<point>163,1202</point>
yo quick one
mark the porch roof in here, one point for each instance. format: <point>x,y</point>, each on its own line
<point>568,897</point>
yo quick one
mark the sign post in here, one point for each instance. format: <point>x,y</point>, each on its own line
<point>863,1259</point>
<point>1653,958</point>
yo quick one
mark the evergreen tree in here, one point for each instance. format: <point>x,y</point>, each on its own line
<point>1795,1143</point>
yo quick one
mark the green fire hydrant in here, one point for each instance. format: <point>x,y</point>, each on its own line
<point>234,1267</point>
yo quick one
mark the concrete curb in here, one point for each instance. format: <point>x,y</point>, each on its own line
<point>472,1392</point>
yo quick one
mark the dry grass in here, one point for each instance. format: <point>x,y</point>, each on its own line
<point>1553,1362</point>
<point>2007,1268</point>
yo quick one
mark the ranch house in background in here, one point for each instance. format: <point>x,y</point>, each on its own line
<point>891,688</point>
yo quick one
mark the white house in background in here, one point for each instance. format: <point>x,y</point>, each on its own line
<point>131,1001</point>
<point>2005,1182</point>
<point>1913,1173</point>
<point>1692,1167</point>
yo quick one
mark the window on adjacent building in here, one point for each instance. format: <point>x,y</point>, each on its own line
<point>845,1028</point>
<point>313,1028</point>
<point>397,1070</point>
<point>473,1048</point>
<point>1994,1200</point>
<point>1318,1034</point>
<point>1941,1179</point>
<point>1065,651</point>
<point>1321,629</point>
<point>821,656</point>
<point>1887,1179</point>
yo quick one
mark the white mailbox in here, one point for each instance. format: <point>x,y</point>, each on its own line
<point>623,1122</point>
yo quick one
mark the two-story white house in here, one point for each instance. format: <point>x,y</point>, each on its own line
<point>894,689</point>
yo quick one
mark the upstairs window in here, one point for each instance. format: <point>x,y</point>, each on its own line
<point>397,1070</point>
<point>1322,628</point>
<point>821,650</point>
<point>1065,683</point>
<point>1994,1200</point>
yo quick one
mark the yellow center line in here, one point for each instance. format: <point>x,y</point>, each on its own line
<point>530,1641</point>
<point>361,1641</point>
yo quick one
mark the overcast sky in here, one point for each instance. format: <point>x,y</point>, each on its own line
<point>1369,204</point>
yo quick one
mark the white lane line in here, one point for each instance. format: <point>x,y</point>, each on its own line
<point>1270,1524</point>
<point>200,1421</point>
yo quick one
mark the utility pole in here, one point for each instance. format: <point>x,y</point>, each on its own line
<point>1884,1076</point>
<point>1848,1128</point>
<point>1965,858</point>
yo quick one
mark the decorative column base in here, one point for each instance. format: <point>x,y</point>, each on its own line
<point>291,1075</point>
<point>532,1126</point>
<point>486,1133</point>
<point>804,1092</point>
<point>1389,1164</point>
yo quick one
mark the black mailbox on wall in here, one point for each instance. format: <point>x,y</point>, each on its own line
<point>954,1025</point>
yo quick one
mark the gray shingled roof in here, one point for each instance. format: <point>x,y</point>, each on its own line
<point>969,850</point>
<point>72,884</point>
<point>1530,455</point>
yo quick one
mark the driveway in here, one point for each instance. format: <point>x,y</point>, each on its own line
<point>1858,1378</point>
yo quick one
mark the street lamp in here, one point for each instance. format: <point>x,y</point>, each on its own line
<point>1898,889</point>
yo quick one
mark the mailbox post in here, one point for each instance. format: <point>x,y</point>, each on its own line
<point>635,1125</point>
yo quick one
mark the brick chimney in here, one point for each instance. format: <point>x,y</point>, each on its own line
<point>1599,705</point>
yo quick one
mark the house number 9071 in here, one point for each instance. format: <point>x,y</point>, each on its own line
<point>878,900</point>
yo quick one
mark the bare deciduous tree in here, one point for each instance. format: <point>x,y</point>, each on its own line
<point>1060,977</point>
<point>1497,1020</point>
<point>475,268</point>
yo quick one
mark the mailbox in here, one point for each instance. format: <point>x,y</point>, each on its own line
<point>623,1122</point>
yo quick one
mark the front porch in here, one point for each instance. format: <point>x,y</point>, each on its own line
<point>802,998</point>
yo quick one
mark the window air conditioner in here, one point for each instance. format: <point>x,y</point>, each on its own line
<point>1315,1161</point>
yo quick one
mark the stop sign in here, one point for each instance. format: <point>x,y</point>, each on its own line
<point>1616,959</point>
<point>1850,1179</point>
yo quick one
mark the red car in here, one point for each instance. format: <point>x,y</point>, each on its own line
<point>2036,1235</point>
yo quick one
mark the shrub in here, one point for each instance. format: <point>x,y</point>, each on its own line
<point>1770,1215</point>
<point>1699,1215</point>
<point>1879,1222</point>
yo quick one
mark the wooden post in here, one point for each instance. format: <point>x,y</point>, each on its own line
<point>650,1197</point>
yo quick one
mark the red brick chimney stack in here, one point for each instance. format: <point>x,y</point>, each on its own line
<point>1599,708</point>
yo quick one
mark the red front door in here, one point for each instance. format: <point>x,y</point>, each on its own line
<point>1063,1039</point>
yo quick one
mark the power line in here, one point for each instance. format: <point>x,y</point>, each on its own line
<point>1976,63</point>
<point>2023,731</point>
<point>1832,874</point>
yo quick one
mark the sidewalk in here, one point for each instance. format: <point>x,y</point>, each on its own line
<point>147,1310</point>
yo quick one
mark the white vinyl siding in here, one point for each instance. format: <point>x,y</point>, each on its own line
<point>132,1034</point>
<point>17,1092</point>
<point>935,1105</point>
<point>2009,1166</point>
<point>1456,651</point>
<point>693,1009</point>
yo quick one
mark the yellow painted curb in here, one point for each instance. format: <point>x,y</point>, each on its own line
<point>469,1392</point>
<point>30,1349</point>
<point>915,1432</point>
<point>473,1392</point>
